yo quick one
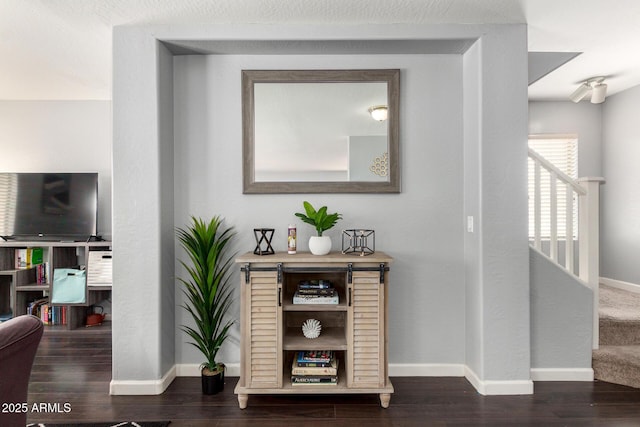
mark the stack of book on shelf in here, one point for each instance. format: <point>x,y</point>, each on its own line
<point>29,257</point>
<point>42,273</point>
<point>312,368</point>
<point>49,314</point>
<point>315,292</point>
<point>32,258</point>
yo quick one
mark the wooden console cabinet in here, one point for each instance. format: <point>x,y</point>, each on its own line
<point>355,329</point>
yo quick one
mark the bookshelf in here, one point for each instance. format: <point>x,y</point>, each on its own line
<point>355,329</point>
<point>19,287</point>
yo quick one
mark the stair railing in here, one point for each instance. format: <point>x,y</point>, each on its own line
<point>587,193</point>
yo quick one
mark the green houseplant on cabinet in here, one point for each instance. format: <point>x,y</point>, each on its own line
<point>321,221</point>
<point>208,293</point>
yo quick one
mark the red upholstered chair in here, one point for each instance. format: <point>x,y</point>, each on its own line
<point>19,339</point>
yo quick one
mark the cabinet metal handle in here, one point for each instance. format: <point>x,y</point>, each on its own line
<point>349,297</point>
<point>279,297</point>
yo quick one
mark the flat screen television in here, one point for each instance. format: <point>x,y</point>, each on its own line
<point>48,206</point>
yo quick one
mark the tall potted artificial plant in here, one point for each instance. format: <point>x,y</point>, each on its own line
<point>208,292</point>
<point>321,221</point>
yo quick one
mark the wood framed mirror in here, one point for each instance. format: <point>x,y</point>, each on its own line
<point>314,131</point>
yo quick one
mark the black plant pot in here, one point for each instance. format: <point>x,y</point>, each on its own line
<point>212,384</point>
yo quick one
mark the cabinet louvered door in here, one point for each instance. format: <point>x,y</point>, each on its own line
<point>366,354</point>
<point>263,337</point>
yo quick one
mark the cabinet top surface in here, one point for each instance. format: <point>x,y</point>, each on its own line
<point>308,258</point>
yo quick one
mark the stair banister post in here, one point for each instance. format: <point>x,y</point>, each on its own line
<point>589,242</point>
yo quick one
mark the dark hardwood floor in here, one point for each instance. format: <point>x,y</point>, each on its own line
<point>74,368</point>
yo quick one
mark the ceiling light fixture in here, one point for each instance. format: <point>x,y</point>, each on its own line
<point>599,93</point>
<point>379,112</point>
<point>594,85</point>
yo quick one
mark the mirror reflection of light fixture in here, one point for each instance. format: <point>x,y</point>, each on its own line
<point>379,112</point>
<point>594,85</point>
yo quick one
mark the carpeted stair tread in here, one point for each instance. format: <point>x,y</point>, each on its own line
<point>618,364</point>
<point>619,332</point>
<point>618,358</point>
<point>619,313</point>
<point>618,305</point>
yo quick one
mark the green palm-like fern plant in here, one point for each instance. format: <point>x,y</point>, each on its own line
<point>320,219</point>
<point>208,292</point>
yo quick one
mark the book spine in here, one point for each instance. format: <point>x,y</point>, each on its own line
<point>315,300</point>
<point>305,286</point>
<point>302,379</point>
<point>300,370</point>
<point>314,356</point>
<point>21,258</point>
<point>320,284</point>
<point>316,292</point>
<point>36,256</point>
<point>303,364</point>
<point>314,297</point>
<point>304,360</point>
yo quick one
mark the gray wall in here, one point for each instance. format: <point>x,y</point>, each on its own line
<point>472,206</point>
<point>60,136</point>
<point>557,298</point>
<point>422,227</point>
<point>141,328</point>
<point>620,221</point>
<point>167,235</point>
<point>495,180</point>
<point>566,117</point>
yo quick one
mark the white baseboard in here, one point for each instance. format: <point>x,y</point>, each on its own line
<point>153,387</point>
<point>425,370</point>
<point>562,374</point>
<point>193,370</point>
<point>144,387</point>
<point>395,370</point>
<point>497,388</point>
<point>627,286</point>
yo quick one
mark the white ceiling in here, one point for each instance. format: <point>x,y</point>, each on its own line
<point>61,49</point>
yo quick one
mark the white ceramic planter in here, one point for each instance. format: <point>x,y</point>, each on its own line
<point>320,245</point>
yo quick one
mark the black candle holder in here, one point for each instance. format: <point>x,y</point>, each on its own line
<point>358,241</point>
<point>263,241</point>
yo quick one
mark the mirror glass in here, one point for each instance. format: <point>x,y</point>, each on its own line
<point>313,131</point>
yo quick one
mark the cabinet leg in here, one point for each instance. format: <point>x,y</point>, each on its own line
<point>243,399</point>
<point>385,398</point>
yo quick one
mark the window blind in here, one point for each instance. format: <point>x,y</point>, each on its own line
<point>8,199</point>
